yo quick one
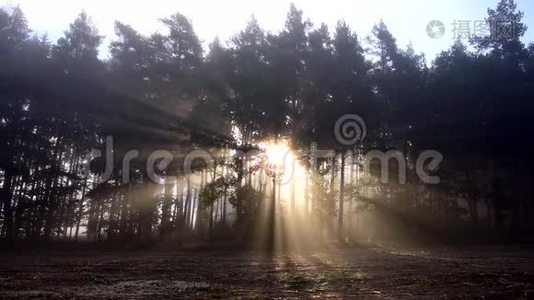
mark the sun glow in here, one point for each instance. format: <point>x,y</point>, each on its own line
<point>279,158</point>
<point>277,154</point>
<point>281,161</point>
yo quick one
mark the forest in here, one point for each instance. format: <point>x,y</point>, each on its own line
<point>231,113</point>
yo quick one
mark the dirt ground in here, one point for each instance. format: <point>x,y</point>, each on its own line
<point>361,272</point>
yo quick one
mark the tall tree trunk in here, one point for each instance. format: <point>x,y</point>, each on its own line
<point>51,199</point>
<point>79,215</point>
<point>165,226</point>
<point>7,195</point>
<point>351,197</point>
<point>187,208</point>
<point>332,198</point>
<point>306,190</point>
<point>293,191</point>
<point>113,218</point>
<point>341,198</point>
<point>272,217</point>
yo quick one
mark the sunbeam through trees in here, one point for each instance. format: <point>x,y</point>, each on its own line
<point>306,138</point>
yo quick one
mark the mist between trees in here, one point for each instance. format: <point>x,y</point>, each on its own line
<point>163,91</point>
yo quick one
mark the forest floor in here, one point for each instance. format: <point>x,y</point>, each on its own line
<point>360,272</point>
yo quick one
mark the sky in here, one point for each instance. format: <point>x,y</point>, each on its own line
<point>406,19</point>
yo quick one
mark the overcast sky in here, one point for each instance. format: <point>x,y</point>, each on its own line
<point>406,19</point>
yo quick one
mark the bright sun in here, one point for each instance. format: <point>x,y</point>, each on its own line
<point>277,154</point>
<point>280,156</point>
